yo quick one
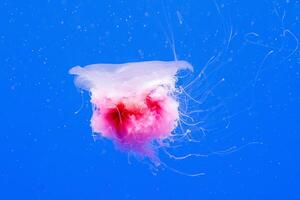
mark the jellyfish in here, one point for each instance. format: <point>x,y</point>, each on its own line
<point>134,104</point>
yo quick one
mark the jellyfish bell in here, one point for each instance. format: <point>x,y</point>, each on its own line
<point>134,103</point>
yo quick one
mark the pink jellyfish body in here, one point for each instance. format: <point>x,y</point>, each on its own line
<point>134,103</point>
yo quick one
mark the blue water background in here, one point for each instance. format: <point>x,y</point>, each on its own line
<point>47,151</point>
